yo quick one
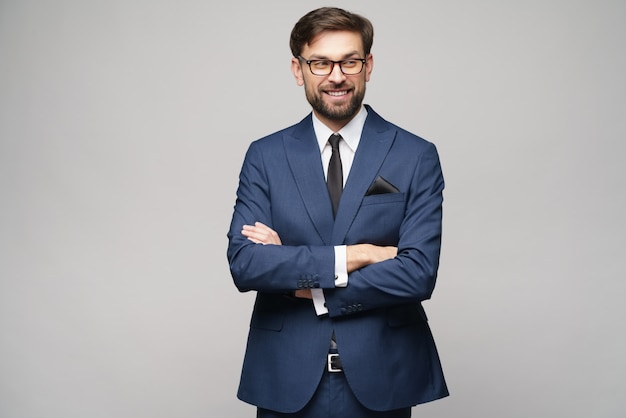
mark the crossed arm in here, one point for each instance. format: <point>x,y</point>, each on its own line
<point>357,256</point>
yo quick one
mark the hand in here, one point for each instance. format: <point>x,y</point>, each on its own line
<point>261,234</point>
<point>303,294</point>
<point>361,255</point>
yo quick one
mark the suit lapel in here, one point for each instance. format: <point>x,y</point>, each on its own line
<point>303,156</point>
<point>376,140</point>
<point>304,159</point>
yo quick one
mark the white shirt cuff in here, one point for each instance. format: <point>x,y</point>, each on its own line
<point>319,301</point>
<point>341,268</point>
<point>341,280</point>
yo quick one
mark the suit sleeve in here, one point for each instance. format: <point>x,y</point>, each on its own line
<point>270,268</point>
<point>410,276</point>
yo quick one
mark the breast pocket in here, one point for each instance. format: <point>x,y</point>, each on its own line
<point>379,218</point>
<point>385,198</point>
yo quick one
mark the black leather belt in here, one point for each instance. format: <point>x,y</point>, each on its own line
<point>334,363</point>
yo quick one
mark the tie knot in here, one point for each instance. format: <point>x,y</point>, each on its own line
<point>334,141</point>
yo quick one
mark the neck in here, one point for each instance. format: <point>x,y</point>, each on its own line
<point>334,125</point>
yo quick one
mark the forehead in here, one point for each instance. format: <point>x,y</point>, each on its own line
<point>334,44</point>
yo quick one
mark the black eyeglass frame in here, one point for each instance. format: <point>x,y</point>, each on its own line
<point>332,65</point>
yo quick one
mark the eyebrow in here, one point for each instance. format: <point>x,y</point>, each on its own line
<point>345,56</point>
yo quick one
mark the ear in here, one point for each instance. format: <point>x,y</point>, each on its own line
<point>296,69</point>
<point>369,66</point>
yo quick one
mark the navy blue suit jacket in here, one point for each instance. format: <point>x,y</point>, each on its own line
<point>386,347</point>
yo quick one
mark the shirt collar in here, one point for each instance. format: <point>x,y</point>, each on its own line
<point>351,133</point>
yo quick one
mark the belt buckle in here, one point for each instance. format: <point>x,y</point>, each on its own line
<point>333,359</point>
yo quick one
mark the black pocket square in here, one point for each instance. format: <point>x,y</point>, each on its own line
<point>381,186</point>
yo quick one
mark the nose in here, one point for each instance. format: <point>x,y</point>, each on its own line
<point>336,76</point>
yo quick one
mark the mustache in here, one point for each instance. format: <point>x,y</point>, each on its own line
<point>332,86</point>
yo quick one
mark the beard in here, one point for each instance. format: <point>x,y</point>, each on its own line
<point>333,112</point>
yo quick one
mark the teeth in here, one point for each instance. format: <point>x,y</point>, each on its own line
<point>337,93</point>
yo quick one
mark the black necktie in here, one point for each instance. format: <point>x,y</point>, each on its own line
<point>334,178</point>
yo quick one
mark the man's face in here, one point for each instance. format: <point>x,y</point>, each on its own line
<point>336,97</point>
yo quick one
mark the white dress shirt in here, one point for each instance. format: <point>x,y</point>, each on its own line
<point>351,134</point>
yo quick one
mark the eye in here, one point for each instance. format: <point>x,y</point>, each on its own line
<point>349,63</point>
<point>320,64</point>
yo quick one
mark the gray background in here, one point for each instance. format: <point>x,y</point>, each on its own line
<point>123,126</point>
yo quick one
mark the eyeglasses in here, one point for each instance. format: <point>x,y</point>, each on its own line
<point>350,66</point>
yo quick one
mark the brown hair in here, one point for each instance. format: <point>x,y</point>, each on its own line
<point>329,19</point>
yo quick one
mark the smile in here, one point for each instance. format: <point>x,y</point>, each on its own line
<point>337,93</point>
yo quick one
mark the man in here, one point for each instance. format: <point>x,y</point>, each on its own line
<point>340,269</point>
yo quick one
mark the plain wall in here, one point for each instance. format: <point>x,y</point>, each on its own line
<point>123,126</point>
